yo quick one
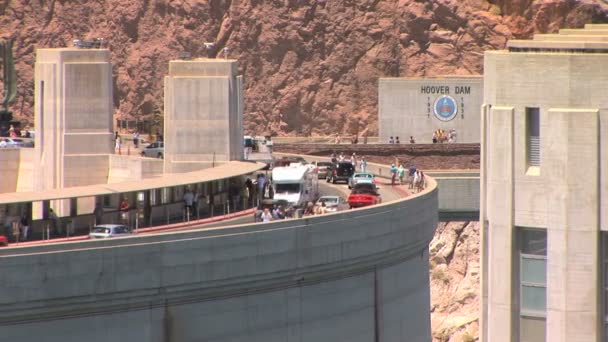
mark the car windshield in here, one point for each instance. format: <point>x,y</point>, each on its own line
<point>328,200</point>
<point>101,230</point>
<point>364,189</point>
<point>289,188</point>
<point>363,175</point>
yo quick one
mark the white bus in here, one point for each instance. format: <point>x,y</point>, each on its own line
<point>296,183</point>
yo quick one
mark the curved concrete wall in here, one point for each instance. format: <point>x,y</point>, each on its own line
<point>359,275</point>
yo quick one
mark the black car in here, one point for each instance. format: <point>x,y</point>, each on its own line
<point>340,172</point>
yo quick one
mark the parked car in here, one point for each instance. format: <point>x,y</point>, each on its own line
<point>154,150</point>
<point>340,172</point>
<point>16,142</point>
<point>103,231</point>
<point>364,194</point>
<point>323,169</point>
<point>361,177</point>
<point>3,241</point>
<point>332,203</point>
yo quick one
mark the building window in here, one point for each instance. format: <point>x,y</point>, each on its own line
<point>533,136</point>
<point>533,284</point>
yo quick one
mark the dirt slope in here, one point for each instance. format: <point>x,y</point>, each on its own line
<point>310,66</point>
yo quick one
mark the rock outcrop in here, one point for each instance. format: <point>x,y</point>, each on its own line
<point>310,66</point>
<point>455,270</point>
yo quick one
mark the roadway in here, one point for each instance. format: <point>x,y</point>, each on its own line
<point>387,192</point>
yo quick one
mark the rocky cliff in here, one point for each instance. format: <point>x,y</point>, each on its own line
<point>455,270</point>
<point>311,66</point>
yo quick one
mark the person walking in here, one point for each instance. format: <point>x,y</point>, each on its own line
<point>401,173</point>
<point>25,227</point>
<point>54,222</point>
<point>266,215</point>
<point>188,202</point>
<point>117,143</point>
<point>411,173</point>
<point>136,139</point>
<point>124,211</point>
<point>393,171</point>
<point>363,165</point>
<point>417,181</point>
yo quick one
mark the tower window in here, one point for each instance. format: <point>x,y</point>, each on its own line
<point>533,136</point>
<point>533,283</point>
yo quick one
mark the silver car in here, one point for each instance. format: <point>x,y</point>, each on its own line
<point>154,150</point>
<point>104,231</point>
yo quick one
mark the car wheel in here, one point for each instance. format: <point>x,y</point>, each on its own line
<point>160,155</point>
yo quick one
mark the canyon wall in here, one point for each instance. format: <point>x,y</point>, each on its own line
<point>310,66</point>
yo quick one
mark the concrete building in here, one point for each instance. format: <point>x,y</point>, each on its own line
<point>419,106</point>
<point>544,189</point>
<point>203,114</point>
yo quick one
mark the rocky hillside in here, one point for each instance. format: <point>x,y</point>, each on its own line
<point>311,66</point>
<point>455,269</point>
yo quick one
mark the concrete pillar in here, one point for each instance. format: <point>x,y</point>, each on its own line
<point>502,309</point>
<point>570,163</point>
<point>203,114</point>
<point>73,117</point>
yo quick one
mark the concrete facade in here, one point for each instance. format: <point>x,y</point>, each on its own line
<point>564,196</point>
<point>415,107</point>
<point>73,117</point>
<point>203,114</point>
<point>358,275</point>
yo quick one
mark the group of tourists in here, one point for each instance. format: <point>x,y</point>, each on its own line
<point>441,136</point>
<point>359,164</point>
<point>415,178</point>
<point>396,140</point>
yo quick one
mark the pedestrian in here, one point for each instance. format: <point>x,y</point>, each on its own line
<point>417,180</point>
<point>341,157</point>
<point>266,215</point>
<point>411,173</point>
<point>391,140</point>
<point>16,230</point>
<point>401,173</point>
<point>136,139</point>
<point>435,138</point>
<point>421,181</point>
<point>124,211</point>
<point>117,143</point>
<point>54,222</point>
<point>363,165</point>
<point>334,158</point>
<point>188,203</point>
<point>393,171</point>
<point>397,140</point>
<point>25,227</point>
<point>353,160</point>
<point>412,140</point>
<point>365,139</point>
<point>250,190</point>
<point>98,212</point>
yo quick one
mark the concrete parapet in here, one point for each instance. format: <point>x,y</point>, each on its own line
<point>351,276</point>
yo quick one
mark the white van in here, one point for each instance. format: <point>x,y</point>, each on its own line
<point>296,183</point>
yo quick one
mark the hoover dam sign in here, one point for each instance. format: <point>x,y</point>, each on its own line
<point>419,106</point>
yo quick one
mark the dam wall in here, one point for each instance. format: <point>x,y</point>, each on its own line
<point>356,275</point>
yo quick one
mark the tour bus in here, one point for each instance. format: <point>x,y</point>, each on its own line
<point>296,183</point>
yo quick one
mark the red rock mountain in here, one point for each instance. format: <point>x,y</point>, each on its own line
<point>310,66</point>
